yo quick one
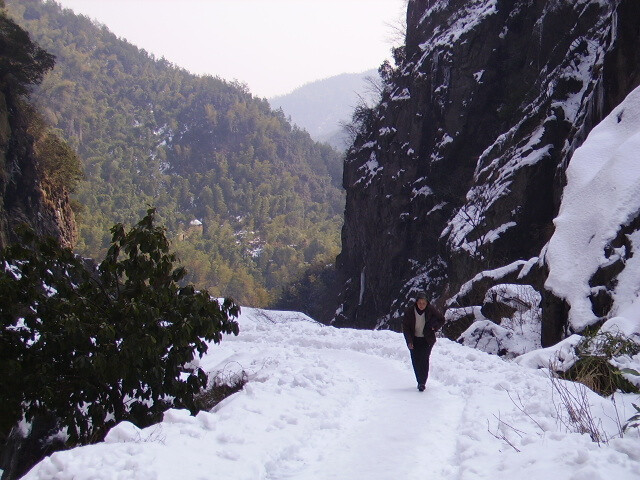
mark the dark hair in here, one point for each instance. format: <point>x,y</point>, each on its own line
<point>421,295</point>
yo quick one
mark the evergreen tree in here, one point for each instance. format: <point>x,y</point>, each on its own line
<point>22,62</point>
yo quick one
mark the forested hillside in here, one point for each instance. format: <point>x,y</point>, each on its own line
<point>249,200</point>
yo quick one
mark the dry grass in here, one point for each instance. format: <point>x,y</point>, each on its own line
<point>224,384</point>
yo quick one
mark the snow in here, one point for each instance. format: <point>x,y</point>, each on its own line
<point>579,70</point>
<point>470,218</point>
<point>628,327</point>
<point>602,193</point>
<point>369,170</point>
<point>327,403</point>
<point>526,268</point>
<point>438,206</point>
<point>403,95</point>
<point>478,76</point>
<point>492,274</point>
<point>493,235</point>
<point>13,269</point>
<point>560,356</point>
<point>422,191</point>
<point>446,139</point>
<point>461,22</point>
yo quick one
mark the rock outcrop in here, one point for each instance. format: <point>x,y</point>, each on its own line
<point>24,194</point>
<point>460,168</point>
<point>27,196</point>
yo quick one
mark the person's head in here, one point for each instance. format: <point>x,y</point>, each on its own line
<point>421,300</point>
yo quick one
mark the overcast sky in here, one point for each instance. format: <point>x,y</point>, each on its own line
<point>273,46</point>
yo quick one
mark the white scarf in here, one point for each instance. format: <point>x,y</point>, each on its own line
<point>420,320</point>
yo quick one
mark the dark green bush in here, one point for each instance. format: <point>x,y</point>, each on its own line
<point>95,347</point>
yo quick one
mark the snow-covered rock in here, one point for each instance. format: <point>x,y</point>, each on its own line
<point>559,357</point>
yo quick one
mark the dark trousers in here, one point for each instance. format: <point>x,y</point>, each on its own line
<point>420,358</point>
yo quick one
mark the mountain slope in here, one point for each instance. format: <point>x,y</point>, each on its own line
<point>321,106</point>
<point>332,403</point>
<point>461,167</point>
<point>197,148</point>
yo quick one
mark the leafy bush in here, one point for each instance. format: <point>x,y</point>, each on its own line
<point>594,369</point>
<point>608,345</point>
<point>97,346</point>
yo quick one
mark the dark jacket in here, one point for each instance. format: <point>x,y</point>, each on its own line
<point>433,321</point>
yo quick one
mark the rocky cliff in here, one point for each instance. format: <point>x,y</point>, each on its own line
<point>30,157</point>
<point>456,176</point>
<point>26,197</point>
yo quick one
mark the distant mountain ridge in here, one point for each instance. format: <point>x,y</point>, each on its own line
<point>321,107</point>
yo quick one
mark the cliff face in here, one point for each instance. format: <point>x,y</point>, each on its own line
<point>27,194</point>
<point>460,168</point>
<point>24,193</point>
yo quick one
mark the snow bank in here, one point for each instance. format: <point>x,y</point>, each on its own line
<point>628,327</point>
<point>602,193</point>
<point>560,357</point>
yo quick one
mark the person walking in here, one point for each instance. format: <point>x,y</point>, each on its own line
<point>419,326</point>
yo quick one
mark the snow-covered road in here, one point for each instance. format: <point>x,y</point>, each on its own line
<point>390,415</point>
<point>323,403</point>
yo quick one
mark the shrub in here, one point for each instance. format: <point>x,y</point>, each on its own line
<point>95,347</point>
<point>594,368</point>
<point>607,344</point>
<point>599,375</point>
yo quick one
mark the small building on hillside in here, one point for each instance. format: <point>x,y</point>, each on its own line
<point>194,228</point>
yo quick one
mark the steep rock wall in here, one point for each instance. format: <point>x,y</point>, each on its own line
<point>25,197</point>
<point>460,168</point>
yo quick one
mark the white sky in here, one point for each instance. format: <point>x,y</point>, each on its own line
<point>273,46</point>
